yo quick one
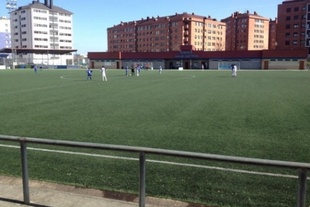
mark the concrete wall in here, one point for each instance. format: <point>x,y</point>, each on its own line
<point>295,64</point>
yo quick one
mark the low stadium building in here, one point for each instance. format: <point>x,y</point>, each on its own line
<point>188,58</point>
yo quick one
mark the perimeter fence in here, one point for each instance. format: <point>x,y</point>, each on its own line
<point>302,168</point>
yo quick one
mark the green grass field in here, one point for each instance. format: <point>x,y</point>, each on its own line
<point>259,114</point>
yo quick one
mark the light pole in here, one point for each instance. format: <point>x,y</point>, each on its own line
<point>11,5</point>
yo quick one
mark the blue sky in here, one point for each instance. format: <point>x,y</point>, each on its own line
<point>92,18</point>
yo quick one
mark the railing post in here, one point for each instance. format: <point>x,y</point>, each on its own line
<point>302,188</point>
<point>142,180</point>
<point>23,150</point>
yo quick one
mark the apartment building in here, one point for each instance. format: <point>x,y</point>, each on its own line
<point>5,39</point>
<point>5,33</point>
<point>293,24</point>
<point>42,34</point>
<point>245,31</point>
<point>168,33</point>
<point>273,34</point>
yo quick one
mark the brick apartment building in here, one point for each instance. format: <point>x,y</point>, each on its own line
<point>190,41</point>
<point>168,33</point>
<point>245,31</point>
<point>293,24</point>
<point>273,34</point>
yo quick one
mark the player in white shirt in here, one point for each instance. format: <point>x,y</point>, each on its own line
<point>103,74</point>
<point>234,70</point>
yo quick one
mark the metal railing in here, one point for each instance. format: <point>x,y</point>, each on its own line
<point>23,141</point>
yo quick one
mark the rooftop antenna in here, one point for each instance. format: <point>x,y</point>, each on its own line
<point>11,5</point>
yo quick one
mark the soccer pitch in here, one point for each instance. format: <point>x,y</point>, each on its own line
<point>259,114</point>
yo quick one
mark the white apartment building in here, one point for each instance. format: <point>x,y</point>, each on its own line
<point>42,34</point>
<point>5,39</point>
<point>5,33</point>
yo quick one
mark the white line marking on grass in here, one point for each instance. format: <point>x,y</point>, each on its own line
<point>93,79</point>
<point>184,78</point>
<point>193,76</point>
<point>157,161</point>
<point>140,78</point>
<point>29,90</point>
<point>65,78</point>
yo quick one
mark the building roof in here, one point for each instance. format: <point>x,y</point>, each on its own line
<point>38,5</point>
<point>174,17</point>
<point>3,55</point>
<point>247,14</point>
<point>292,1</point>
<point>37,51</point>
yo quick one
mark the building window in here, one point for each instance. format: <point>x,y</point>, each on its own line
<point>288,26</point>
<point>288,18</point>
<point>288,10</point>
<point>296,9</point>
<point>287,42</point>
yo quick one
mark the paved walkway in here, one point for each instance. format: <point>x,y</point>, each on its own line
<point>43,194</point>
